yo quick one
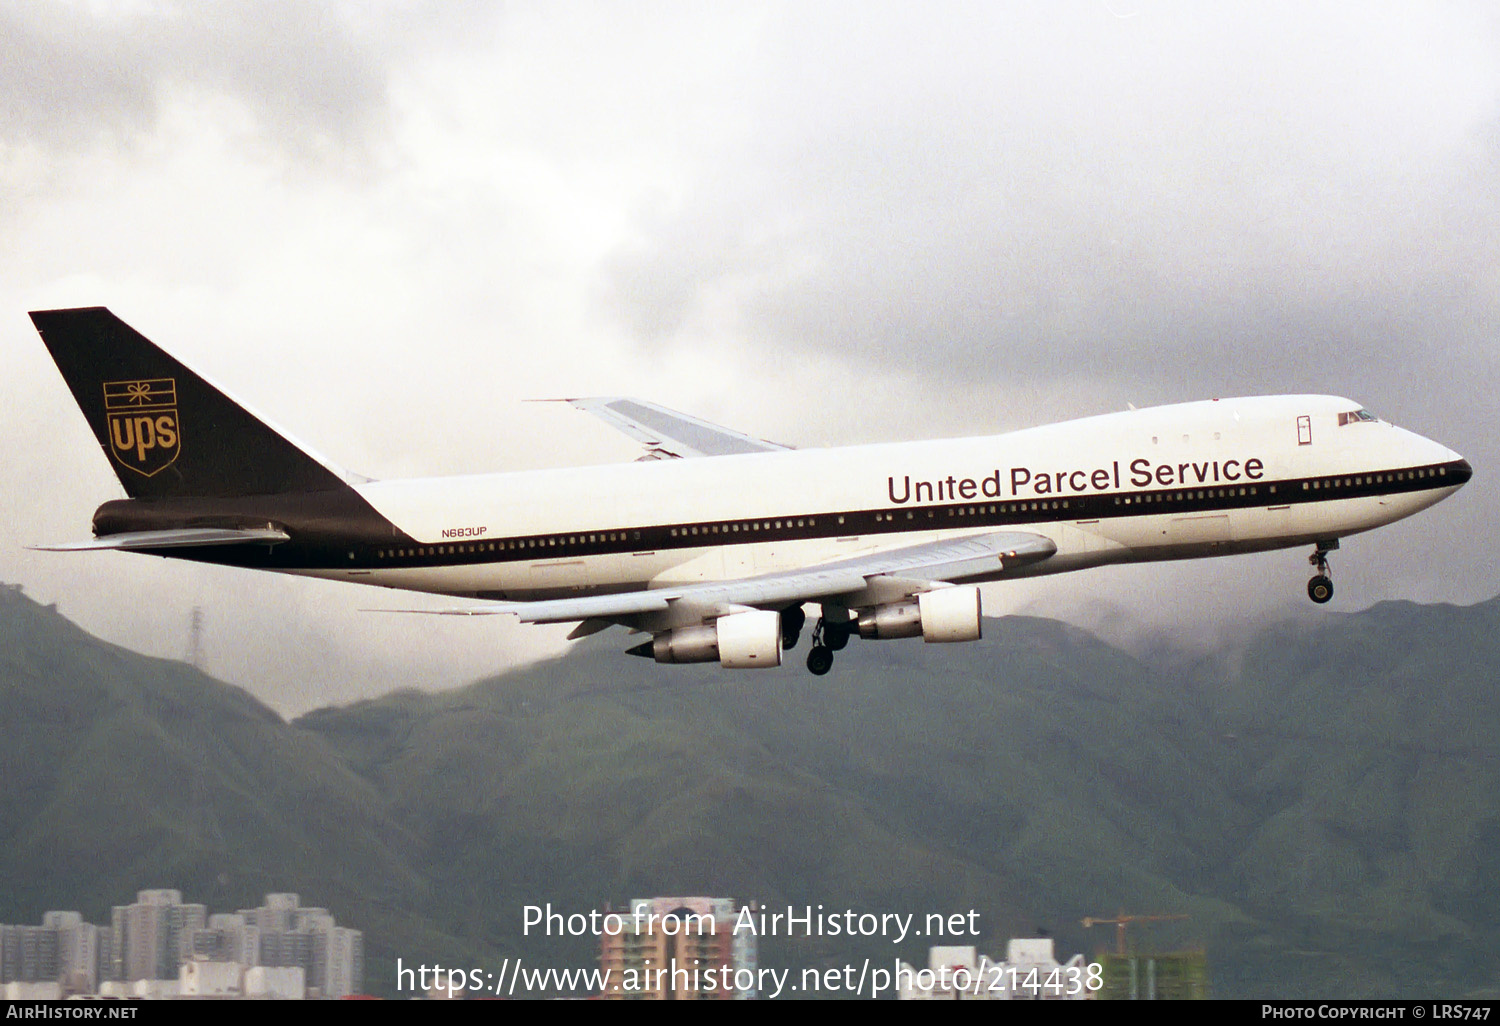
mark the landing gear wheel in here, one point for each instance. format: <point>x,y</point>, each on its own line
<point>819,660</point>
<point>1320,589</point>
<point>836,636</point>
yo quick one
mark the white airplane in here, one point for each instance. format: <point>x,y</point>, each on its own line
<point>715,541</point>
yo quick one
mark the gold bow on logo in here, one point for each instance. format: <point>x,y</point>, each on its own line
<point>140,391</point>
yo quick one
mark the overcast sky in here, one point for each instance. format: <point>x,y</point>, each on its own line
<point>386,226</point>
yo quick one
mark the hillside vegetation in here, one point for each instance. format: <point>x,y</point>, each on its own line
<point>1324,805</point>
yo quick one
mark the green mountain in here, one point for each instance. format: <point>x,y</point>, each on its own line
<point>1365,754</point>
<point>1323,804</point>
<point>123,772</point>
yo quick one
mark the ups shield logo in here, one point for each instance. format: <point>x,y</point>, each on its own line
<point>144,433</point>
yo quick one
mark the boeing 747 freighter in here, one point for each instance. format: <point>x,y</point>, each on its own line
<point>714,542</point>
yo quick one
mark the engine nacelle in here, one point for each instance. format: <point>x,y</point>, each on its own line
<point>946,614</point>
<point>739,641</point>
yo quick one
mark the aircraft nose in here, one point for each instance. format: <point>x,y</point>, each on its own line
<point>1454,469</point>
<point>1451,464</point>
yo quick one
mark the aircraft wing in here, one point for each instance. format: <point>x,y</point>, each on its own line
<point>877,577</point>
<point>174,539</point>
<point>667,434</point>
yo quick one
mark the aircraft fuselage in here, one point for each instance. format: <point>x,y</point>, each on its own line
<point>1174,482</point>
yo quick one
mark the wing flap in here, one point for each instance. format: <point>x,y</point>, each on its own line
<point>872,577</point>
<point>175,539</point>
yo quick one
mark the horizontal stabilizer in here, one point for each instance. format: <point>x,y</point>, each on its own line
<point>176,539</point>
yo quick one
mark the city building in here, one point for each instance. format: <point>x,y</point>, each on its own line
<point>287,983</point>
<point>677,949</point>
<point>161,947</point>
<point>332,958</point>
<point>82,948</point>
<point>201,978</point>
<point>150,938</point>
<point>18,991</point>
<point>1030,972</point>
<point>228,937</point>
<point>1167,976</point>
<point>28,954</point>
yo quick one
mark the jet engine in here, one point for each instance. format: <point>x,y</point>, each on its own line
<point>946,614</point>
<point>739,641</point>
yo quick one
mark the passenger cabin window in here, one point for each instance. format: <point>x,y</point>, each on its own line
<point>1358,417</point>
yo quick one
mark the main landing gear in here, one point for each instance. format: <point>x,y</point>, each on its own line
<point>827,638</point>
<point>1320,588</point>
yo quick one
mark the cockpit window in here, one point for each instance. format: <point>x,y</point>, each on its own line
<point>1357,417</point>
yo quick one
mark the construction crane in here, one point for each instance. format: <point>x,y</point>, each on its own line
<point>1122,920</point>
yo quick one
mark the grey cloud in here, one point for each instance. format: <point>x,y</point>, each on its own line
<point>1183,201</point>
<point>59,82</point>
<point>314,76</point>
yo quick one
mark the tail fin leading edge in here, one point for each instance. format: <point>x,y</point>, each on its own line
<point>166,431</point>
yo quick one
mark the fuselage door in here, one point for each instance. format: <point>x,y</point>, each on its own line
<point>1304,430</point>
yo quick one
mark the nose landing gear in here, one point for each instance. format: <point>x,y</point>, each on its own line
<point>1320,588</point>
